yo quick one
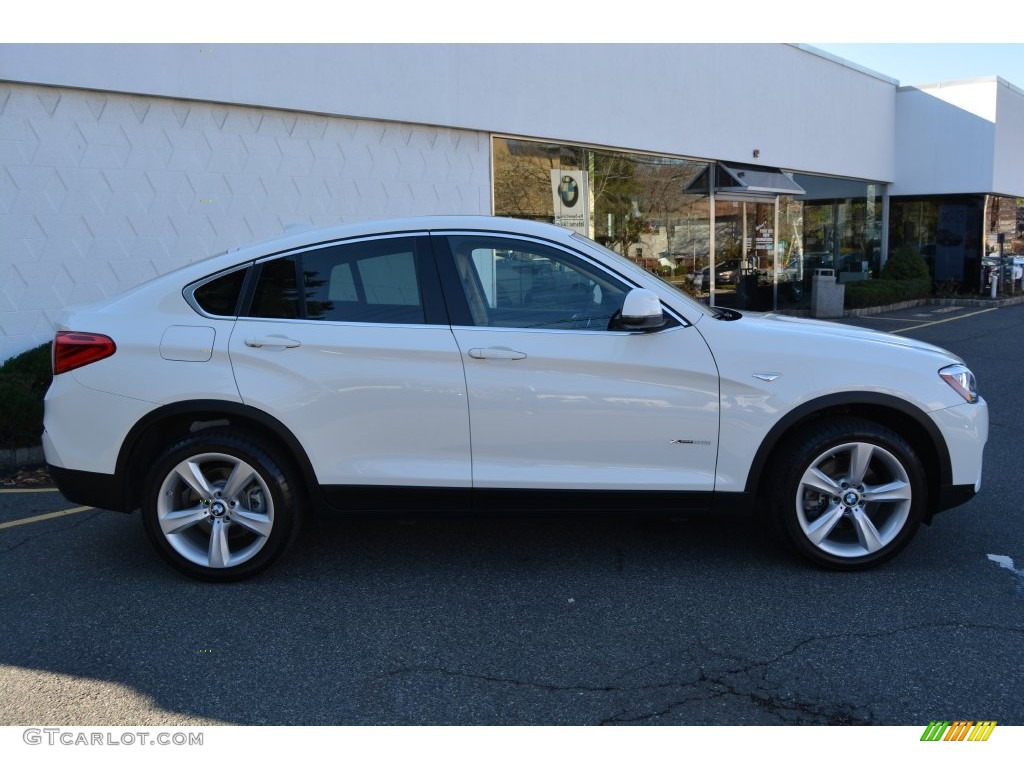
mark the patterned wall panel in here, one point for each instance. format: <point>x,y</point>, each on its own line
<point>101,191</point>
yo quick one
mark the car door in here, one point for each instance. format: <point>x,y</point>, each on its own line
<point>348,345</point>
<point>556,399</point>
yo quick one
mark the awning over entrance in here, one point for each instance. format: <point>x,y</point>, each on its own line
<point>745,180</point>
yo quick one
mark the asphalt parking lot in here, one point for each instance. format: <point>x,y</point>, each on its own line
<point>507,620</point>
<point>905,321</point>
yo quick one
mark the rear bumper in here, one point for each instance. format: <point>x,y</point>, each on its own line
<point>92,489</point>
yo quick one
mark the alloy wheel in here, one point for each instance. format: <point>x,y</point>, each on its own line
<point>853,500</point>
<point>215,510</point>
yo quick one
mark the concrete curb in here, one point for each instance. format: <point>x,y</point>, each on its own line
<point>866,311</point>
<point>956,302</point>
<point>1008,302</point>
<point>14,458</point>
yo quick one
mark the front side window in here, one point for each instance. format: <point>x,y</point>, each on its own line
<point>511,283</point>
<point>373,281</point>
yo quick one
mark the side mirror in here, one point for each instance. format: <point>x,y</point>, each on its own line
<point>641,311</point>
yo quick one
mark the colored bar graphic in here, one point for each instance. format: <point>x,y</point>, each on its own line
<point>958,730</point>
<point>982,730</point>
<point>935,730</point>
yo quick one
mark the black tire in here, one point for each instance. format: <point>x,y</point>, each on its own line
<point>875,500</point>
<point>232,518</point>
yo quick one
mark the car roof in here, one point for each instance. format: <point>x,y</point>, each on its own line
<point>300,236</point>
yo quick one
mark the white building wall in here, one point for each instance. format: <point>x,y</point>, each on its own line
<point>964,137</point>
<point>100,191</point>
<point>803,111</point>
<point>1008,178</point>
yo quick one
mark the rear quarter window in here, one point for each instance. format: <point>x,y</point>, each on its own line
<point>220,295</point>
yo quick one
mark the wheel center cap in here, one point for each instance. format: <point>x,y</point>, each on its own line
<point>850,498</point>
<point>217,509</point>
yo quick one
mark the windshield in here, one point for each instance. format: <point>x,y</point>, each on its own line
<point>691,305</point>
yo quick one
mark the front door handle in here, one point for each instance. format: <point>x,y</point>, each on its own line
<point>495,353</point>
<point>273,341</point>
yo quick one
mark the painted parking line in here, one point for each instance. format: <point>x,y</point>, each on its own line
<point>47,516</point>
<point>28,490</point>
<point>945,320</point>
<point>889,319</point>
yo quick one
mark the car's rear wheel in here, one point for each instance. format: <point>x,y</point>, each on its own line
<point>848,494</point>
<point>218,507</point>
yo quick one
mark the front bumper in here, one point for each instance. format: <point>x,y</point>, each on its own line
<point>965,430</point>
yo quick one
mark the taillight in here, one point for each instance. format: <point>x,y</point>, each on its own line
<point>72,349</point>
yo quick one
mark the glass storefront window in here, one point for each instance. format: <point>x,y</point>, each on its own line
<point>959,237</point>
<point>840,229</point>
<point>658,212</point>
<point>1004,244</point>
<point>745,253</point>
<point>1005,217</point>
<point>946,231</point>
<point>794,278</point>
<point>635,204</point>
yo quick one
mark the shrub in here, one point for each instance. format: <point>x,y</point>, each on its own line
<point>876,293</point>
<point>905,277</point>
<point>905,263</point>
<point>24,380</point>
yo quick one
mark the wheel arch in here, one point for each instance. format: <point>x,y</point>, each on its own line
<point>910,422</point>
<point>164,426</point>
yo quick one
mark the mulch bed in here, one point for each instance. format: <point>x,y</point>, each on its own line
<point>27,477</point>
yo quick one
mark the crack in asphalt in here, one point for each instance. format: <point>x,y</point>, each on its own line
<point>550,687</point>
<point>808,713</point>
<point>726,683</point>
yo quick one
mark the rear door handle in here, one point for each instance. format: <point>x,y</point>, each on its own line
<point>495,353</point>
<point>273,341</point>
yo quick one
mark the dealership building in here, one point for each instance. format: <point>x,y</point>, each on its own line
<point>733,170</point>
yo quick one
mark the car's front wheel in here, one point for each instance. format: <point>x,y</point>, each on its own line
<point>848,494</point>
<point>219,507</point>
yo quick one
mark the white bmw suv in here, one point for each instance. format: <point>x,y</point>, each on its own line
<point>489,363</point>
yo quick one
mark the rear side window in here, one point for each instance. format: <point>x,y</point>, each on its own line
<point>220,295</point>
<point>370,282</point>
<point>373,281</point>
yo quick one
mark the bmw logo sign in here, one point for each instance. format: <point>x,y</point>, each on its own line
<point>568,191</point>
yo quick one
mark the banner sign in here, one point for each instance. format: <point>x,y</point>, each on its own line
<point>572,200</point>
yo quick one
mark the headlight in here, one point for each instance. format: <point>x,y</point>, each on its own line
<point>960,378</point>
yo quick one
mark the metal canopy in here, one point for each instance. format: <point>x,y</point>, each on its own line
<point>745,180</point>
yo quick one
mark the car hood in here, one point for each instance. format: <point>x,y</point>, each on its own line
<point>824,329</point>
